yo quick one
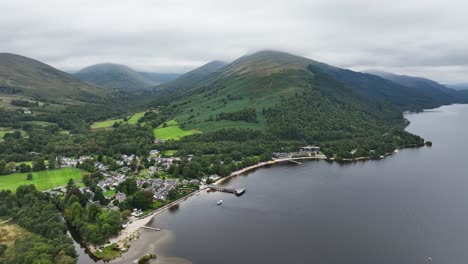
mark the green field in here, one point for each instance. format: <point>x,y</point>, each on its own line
<point>40,123</point>
<point>134,119</point>
<point>169,152</point>
<point>172,131</point>
<point>5,131</point>
<point>105,124</point>
<point>108,123</point>
<point>43,180</point>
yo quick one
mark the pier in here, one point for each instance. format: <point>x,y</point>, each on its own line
<point>151,228</point>
<point>237,192</point>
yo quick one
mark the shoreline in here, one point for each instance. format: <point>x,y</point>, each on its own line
<point>131,232</point>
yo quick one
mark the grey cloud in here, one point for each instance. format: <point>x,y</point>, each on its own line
<point>422,37</point>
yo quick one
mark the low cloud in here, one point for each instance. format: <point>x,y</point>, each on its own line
<point>421,37</point>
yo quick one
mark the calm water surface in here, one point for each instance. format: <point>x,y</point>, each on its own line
<point>399,210</point>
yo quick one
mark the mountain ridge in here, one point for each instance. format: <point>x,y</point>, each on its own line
<point>30,77</point>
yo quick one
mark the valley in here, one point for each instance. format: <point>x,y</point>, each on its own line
<point>124,147</point>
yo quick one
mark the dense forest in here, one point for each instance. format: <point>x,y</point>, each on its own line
<point>37,212</point>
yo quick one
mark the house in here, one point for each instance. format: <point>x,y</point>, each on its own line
<point>214,177</point>
<point>194,182</point>
<point>280,155</point>
<point>137,213</point>
<point>120,197</point>
<point>313,149</point>
<point>154,152</point>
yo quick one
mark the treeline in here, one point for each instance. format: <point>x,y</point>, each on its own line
<point>125,139</point>
<point>37,213</point>
<point>247,115</point>
<point>24,103</point>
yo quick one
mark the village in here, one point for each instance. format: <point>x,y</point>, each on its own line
<point>147,180</point>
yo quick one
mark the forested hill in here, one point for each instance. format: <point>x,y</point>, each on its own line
<point>115,76</point>
<point>283,96</point>
<point>27,77</point>
<point>438,93</point>
<point>192,78</point>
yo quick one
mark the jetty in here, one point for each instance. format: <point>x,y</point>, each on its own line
<point>237,192</point>
<point>151,228</point>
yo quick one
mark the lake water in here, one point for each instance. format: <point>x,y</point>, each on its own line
<point>403,209</point>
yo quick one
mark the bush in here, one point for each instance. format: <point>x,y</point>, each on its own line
<point>146,258</point>
<point>3,248</point>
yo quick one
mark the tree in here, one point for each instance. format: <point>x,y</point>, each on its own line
<point>38,164</point>
<point>70,184</point>
<point>23,168</point>
<point>172,194</point>
<point>74,213</point>
<point>52,162</point>
<point>142,200</point>
<point>128,186</point>
<point>99,196</point>
<point>29,177</point>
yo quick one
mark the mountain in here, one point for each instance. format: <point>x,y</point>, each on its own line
<point>31,78</point>
<point>283,98</point>
<point>191,78</point>
<point>115,76</point>
<point>247,93</point>
<point>159,78</point>
<point>458,86</point>
<point>438,93</point>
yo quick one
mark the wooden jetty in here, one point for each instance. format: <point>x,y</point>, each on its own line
<point>237,192</point>
<point>151,228</point>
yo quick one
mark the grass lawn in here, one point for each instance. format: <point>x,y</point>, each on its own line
<point>172,131</point>
<point>108,253</point>
<point>134,119</point>
<point>105,124</point>
<point>43,180</point>
<point>109,193</point>
<point>108,123</point>
<point>169,152</point>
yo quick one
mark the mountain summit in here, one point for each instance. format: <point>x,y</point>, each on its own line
<point>114,76</point>
<point>29,77</point>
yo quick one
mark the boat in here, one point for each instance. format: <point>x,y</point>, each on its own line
<point>219,202</point>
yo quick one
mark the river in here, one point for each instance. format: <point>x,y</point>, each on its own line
<point>402,209</point>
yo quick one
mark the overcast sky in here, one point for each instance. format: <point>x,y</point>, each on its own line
<point>415,37</point>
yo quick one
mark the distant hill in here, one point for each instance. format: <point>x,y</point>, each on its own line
<point>438,93</point>
<point>115,76</point>
<point>191,78</point>
<point>458,86</point>
<point>159,78</point>
<point>28,77</point>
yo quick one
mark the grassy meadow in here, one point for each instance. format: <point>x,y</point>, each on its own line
<point>172,131</point>
<point>108,123</point>
<point>43,180</point>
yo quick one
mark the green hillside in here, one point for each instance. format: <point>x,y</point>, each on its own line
<point>27,77</point>
<point>278,100</point>
<point>438,93</point>
<point>114,76</point>
<point>191,78</point>
<point>254,84</point>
